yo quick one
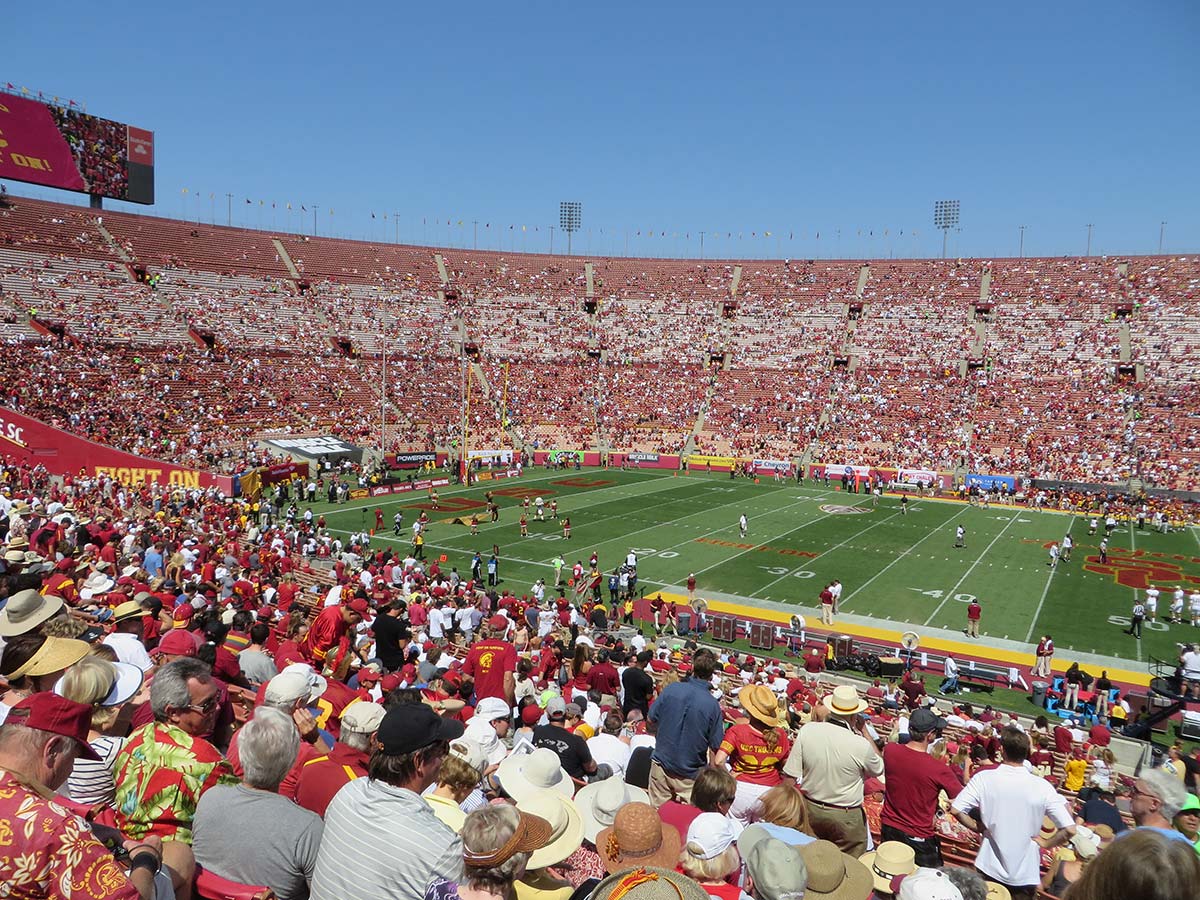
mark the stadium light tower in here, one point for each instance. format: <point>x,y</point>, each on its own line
<point>570,216</point>
<point>945,217</point>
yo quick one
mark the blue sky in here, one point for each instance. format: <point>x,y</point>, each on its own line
<point>788,118</point>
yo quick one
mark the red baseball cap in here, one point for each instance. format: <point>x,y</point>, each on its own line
<point>360,606</point>
<point>389,683</point>
<point>498,621</point>
<point>176,642</point>
<point>49,712</point>
<point>183,612</point>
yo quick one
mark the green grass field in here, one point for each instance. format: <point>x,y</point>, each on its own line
<point>899,569</point>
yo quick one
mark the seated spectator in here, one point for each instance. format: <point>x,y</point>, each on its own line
<point>323,776</point>
<point>710,855</point>
<point>411,744</point>
<point>283,854</point>
<point>775,870</point>
<point>545,878</point>
<point>106,687</point>
<point>714,790</point>
<point>165,767</point>
<point>497,842</point>
<point>1145,864</point>
<point>457,778</point>
<point>607,747</point>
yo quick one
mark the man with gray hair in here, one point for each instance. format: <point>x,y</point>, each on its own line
<point>1156,797</point>
<point>283,853</point>
<point>166,765</point>
<point>323,776</point>
<point>290,692</point>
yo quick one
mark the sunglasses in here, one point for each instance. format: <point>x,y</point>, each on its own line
<point>206,707</point>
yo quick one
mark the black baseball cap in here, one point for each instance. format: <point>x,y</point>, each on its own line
<point>923,721</point>
<point>408,727</point>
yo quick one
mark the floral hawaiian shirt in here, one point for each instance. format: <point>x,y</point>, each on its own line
<point>49,853</point>
<point>161,774</point>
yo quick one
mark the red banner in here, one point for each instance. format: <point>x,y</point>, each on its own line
<point>30,440</point>
<point>283,472</point>
<point>32,148</point>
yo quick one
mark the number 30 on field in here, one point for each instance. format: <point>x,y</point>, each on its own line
<point>781,571</point>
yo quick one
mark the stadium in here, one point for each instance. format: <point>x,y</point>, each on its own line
<point>307,533</point>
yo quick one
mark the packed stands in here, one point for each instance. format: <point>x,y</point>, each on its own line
<point>921,363</point>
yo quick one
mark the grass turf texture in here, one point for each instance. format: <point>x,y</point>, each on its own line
<point>894,567</point>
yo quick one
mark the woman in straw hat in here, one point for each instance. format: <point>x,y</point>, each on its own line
<point>755,750</point>
<point>33,663</point>
<point>545,878</point>
<point>497,843</point>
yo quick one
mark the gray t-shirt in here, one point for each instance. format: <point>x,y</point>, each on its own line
<point>257,666</point>
<point>257,838</point>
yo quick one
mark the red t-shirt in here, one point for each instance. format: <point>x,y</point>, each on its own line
<point>487,663</point>
<point>750,758</point>
<point>913,780</point>
<point>1062,739</point>
<point>323,776</point>
<point>974,611</point>
<point>1100,735</point>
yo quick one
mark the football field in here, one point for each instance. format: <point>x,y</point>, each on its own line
<point>900,569</point>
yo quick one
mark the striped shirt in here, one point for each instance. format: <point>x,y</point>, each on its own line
<point>367,815</point>
<point>93,781</point>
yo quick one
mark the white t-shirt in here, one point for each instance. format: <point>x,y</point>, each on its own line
<point>1191,665</point>
<point>130,650</point>
<point>1011,804</point>
<point>608,748</point>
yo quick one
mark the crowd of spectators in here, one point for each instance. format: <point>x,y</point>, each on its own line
<point>762,358</point>
<point>192,705</point>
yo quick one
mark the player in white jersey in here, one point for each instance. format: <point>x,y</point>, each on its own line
<point>1194,608</point>
<point>1151,602</point>
<point>742,524</point>
<point>1177,599</point>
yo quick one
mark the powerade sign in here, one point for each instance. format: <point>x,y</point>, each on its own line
<point>411,460</point>
<point>991,482</point>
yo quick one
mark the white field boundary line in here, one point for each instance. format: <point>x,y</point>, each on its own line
<point>1133,550</point>
<point>967,574</point>
<point>825,552</point>
<point>842,606</point>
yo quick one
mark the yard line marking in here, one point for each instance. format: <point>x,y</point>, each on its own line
<point>824,552</point>
<point>937,609</point>
<point>1045,590</point>
<point>913,547</point>
<point>777,537</point>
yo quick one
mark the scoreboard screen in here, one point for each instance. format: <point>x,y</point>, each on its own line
<point>64,148</point>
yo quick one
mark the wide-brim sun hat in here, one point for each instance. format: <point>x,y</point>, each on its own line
<point>524,774</point>
<point>887,861</point>
<point>599,802</point>
<point>26,610</point>
<point>638,837</point>
<point>126,683</point>
<point>566,827</point>
<point>844,701</point>
<point>648,883</point>
<point>759,702</point>
<point>55,655</point>
<point>834,875</point>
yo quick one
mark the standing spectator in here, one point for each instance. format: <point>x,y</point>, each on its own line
<point>950,671</point>
<point>1006,806</point>
<point>284,852</point>
<point>826,600</point>
<point>412,742</point>
<point>1072,681</point>
<point>638,685</point>
<point>914,781</point>
<point>165,767</point>
<point>755,750</point>
<point>830,760</point>
<point>492,662</point>
<point>688,712</point>
<point>570,748</point>
<point>974,614</point>
<point>1045,653</point>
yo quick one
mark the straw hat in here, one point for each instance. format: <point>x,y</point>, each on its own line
<point>55,655</point>
<point>530,834</point>
<point>833,874</point>
<point>844,701</point>
<point>638,837</point>
<point>566,828</point>
<point>524,774</point>
<point>130,609</point>
<point>25,611</point>
<point>599,802</point>
<point>890,859</point>
<point>759,701</point>
<point>649,883</point>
